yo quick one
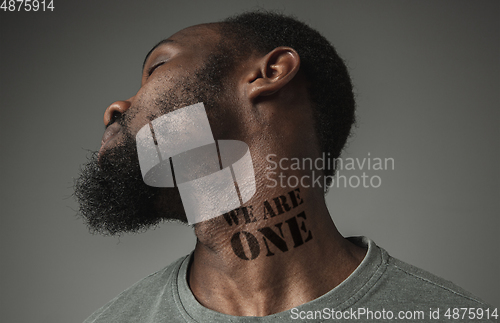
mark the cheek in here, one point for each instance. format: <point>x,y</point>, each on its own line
<point>137,123</point>
<point>144,109</point>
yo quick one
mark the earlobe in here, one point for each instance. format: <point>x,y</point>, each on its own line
<point>273,72</point>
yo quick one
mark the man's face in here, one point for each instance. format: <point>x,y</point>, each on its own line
<point>112,195</point>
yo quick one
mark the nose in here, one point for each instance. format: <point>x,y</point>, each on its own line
<point>115,110</point>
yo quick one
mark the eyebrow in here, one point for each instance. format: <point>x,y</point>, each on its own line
<point>165,41</point>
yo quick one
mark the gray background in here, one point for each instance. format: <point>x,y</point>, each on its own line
<point>427,81</point>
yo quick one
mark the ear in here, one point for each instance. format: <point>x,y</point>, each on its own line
<point>272,72</point>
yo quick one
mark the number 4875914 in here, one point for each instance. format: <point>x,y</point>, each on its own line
<point>27,5</point>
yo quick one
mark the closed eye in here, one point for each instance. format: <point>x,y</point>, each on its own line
<point>154,67</point>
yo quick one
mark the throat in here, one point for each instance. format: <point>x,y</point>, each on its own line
<point>261,230</point>
<point>284,246</point>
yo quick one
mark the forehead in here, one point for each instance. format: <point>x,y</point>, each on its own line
<point>200,37</point>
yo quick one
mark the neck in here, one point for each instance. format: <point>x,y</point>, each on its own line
<point>278,252</point>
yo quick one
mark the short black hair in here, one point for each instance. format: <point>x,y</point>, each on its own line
<point>330,87</point>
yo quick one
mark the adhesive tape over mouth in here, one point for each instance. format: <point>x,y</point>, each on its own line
<point>178,150</point>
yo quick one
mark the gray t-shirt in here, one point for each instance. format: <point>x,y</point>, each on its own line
<point>382,288</point>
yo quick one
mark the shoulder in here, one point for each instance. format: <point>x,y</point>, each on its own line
<point>139,300</point>
<point>404,283</point>
<point>402,289</point>
<point>394,282</point>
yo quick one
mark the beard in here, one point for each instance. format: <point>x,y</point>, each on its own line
<point>111,193</point>
<point>113,197</point>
